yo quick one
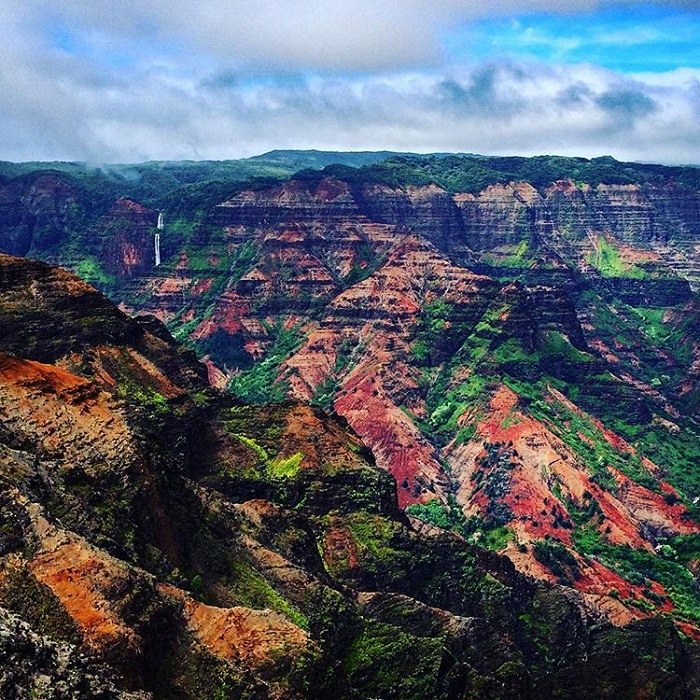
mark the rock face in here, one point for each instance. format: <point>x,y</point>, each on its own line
<point>357,297</point>
<point>125,238</point>
<point>16,222</point>
<point>52,216</point>
<point>40,211</point>
<point>34,666</point>
<point>168,541</point>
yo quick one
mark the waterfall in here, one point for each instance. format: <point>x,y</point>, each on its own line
<point>159,226</point>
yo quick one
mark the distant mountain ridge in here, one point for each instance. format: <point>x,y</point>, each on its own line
<point>279,162</point>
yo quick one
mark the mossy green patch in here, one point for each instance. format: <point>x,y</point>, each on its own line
<point>280,467</point>
<point>435,512</point>
<point>153,401</point>
<point>385,661</point>
<point>90,269</point>
<point>607,260</point>
<point>496,539</point>
<point>252,590</point>
<point>259,450</point>
<point>557,345</point>
<point>372,534</point>
<point>447,406</point>
<point>286,467</point>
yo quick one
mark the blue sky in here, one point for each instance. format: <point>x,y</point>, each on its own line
<point>149,79</point>
<point>647,38</point>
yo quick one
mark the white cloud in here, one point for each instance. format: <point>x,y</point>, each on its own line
<point>308,34</point>
<point>506,108</point>
<point>64,104</point>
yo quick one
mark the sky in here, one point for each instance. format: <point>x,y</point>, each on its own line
<point>135,80</point>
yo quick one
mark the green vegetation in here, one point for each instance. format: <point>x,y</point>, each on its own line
<point>259,450</point>
<point>435,331</point>
<point>674,336</point>
<point>325,393</point>
<point>375,544</point>
<point>182,331</point>
<point>640,567</point>
<point>449,516</point>
<point>388,662</point>
<point>262,383</point>
<point>263,425</point>
<point>491,355</point>
<point>372,535</point>
<point>474,173</point>
<point>420,349</point>
<point>367,262</point>
<point>558,348</point>
<point>518,255</point>
<point>91,270</point>
<point>182,187</point>
<point>492,475</point>
<point>261,431</point>
<point>281,467</point>
<point>558,559</point>
<point>497,538</point>
<point>155,403</point>
<point>446,408</point>
<point>667,565</point>
<point>286,467</point>
<point>677,453</point>
<point>228,350</point>
<point>582,436</point>
<point>606,259</point>
<point>252,590</point>
<point>511,351</point>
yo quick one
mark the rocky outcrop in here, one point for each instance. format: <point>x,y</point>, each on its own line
<point>56,207</point>
<point>296,201</point>
<point>16,224</point>
<point>427,210</point>
<point>339,264</point>
<point>504,215</point>
<point>36,666</point>
<point>49,315</point>
<point>124,238</point>
<point>38,213</point>
<point>649,293</point>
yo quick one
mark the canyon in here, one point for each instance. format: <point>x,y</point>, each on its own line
<point>429,384</point>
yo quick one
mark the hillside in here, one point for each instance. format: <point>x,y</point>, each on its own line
<point>161,540</point>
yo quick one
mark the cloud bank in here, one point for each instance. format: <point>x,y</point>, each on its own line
<point>313,34</point>
<point>132,81</point>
